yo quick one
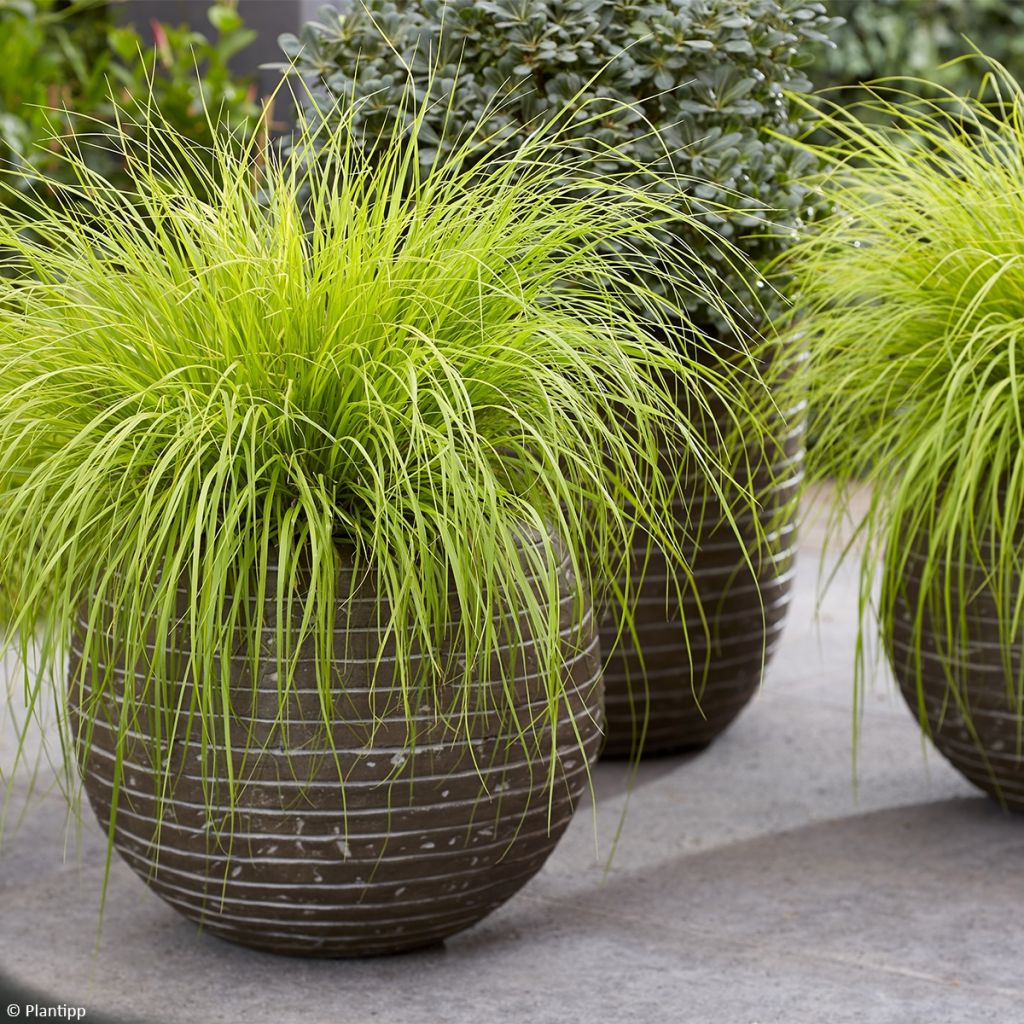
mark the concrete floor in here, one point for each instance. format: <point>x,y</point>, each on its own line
<point>752,884</point>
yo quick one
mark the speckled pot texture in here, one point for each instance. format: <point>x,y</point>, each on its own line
<point>980,734</point>
<point>418,843</point>
<point>672,700</point>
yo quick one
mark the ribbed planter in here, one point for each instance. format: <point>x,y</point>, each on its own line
<point>980,735</point>
<point>418,843</point>
<point>669,701</point>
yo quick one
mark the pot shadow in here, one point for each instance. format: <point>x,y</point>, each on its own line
<point>897,884</point>
<point>923,886</point>
<point>615,777</point>
<point>878,904</point>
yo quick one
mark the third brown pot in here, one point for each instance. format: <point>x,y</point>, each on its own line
<point>964,683</point>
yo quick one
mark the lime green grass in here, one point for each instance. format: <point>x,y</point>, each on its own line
<point>238,378</point>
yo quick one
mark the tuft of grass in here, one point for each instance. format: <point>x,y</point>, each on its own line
<point>911,295</point>
<point>238,379</point>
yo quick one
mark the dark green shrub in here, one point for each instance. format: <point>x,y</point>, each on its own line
<point>45,59</point>
<point>708,75</point>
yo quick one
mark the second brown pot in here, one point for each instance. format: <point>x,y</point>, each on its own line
<point>670,699</point>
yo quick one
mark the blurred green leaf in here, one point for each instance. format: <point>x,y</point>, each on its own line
<point>225,19</point>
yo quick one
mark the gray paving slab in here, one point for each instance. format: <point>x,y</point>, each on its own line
<point>752,883</point>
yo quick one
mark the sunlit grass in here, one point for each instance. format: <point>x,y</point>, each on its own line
<point>241,378</point>
<point>911,293</point>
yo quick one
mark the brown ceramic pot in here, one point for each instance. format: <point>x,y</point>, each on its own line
<point>979,731</point>
<point>416,845</point>
<point>673,700</point>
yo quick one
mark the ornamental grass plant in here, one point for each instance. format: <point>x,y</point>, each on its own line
<point>221,384</point>
<point>911,296</point>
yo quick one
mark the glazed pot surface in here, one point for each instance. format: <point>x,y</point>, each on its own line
<point>356,840</point>
<point>978,730</point>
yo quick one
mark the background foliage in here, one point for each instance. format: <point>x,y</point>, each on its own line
<point>65,67</point>
<point>692,87</point>
<point>884,38</point>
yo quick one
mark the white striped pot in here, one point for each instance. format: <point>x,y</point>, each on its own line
<point>978,730</point>
<point>660,695</point>
<point>422,840</point>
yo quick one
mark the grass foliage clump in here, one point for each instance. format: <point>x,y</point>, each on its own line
<point>239,381</point>
<point>912,295</point>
